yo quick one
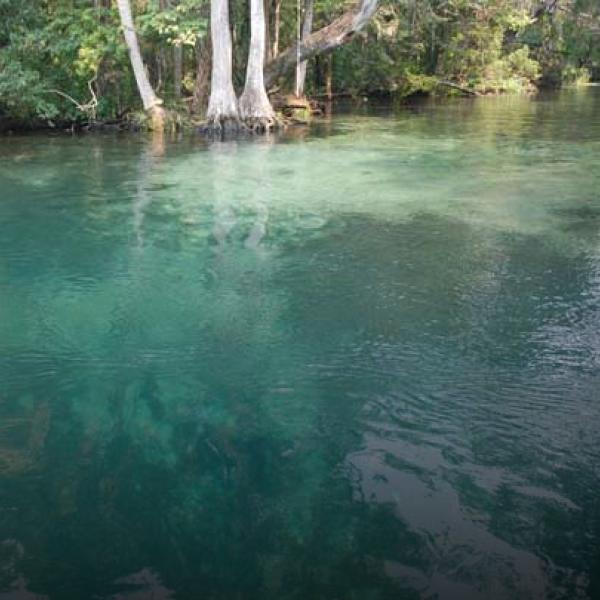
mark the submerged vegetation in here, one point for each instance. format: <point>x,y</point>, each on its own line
<point>75,62</point>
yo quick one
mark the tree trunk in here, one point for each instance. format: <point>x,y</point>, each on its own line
<point>309,6</point>
<point>222,106</point>
<point>255,107</point>
<point>160,69</point>
<point>151,102</point>
<point>202,83</point>
<point>338,32</point>
<point>177,70</point>
<point>177,57</point>
<point>329,78</point>
<point>268,46</point>
<point>276,28</point>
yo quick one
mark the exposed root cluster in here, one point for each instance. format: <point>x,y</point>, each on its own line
<point>262,124</point>
<point>222,126</point>
<point>227,127</point>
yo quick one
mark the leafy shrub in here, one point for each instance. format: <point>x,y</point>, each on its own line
<point>515,72</point>
<point>22,93</point>
<point>576,75</point>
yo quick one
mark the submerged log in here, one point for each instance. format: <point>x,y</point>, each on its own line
<point>460,88</point>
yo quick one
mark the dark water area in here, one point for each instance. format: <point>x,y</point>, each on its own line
<point>360,361</point>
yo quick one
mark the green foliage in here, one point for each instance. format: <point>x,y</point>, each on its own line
<point>181,25</point>
<point>365,68</point>
<point>490,46</point>
<point>516,72</point>
<point>414,44</point>
<point>59,50</point>
<point>57,59</point>
<point>576,76</point>
<point>414,83</point>
<point>22,93</point>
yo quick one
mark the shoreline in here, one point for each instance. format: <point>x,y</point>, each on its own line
<point>137,122</point>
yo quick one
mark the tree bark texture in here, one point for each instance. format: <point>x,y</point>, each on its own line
<point>222,106</point>
<point>255,107</point>
<point>309,6</point>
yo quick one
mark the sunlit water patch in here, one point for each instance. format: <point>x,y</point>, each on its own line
<point>360,361</point>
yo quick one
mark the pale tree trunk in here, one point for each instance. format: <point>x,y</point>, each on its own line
<point>151,102</point>
<point>222,111</point>
<point>330,37</point>
<point>276,28</point>
<point>309,6</point>
<point>255,107</point>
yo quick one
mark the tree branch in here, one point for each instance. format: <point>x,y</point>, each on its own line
<point>338,32</point>
<point>89,108</point>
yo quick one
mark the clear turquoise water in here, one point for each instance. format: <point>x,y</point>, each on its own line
<point>360,362</point>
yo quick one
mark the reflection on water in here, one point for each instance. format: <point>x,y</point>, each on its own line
<point>363,362</point>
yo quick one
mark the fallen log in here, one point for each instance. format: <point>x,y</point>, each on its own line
<point>460,88</point>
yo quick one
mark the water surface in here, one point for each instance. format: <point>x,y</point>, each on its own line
<point>357,362</point>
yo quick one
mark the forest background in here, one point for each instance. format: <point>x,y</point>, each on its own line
<point>66,62</point>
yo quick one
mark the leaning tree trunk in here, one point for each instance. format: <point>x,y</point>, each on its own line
<point>255,107</point>
<point>222,114</point>
<point>309,6</point>
<point>152,103</point>
<point>330,37</point>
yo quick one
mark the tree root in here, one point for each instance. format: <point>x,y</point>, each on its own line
<point>158,117</point>
<point>261,125</point>
<point>226,127</point>
<point>221,127</point>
